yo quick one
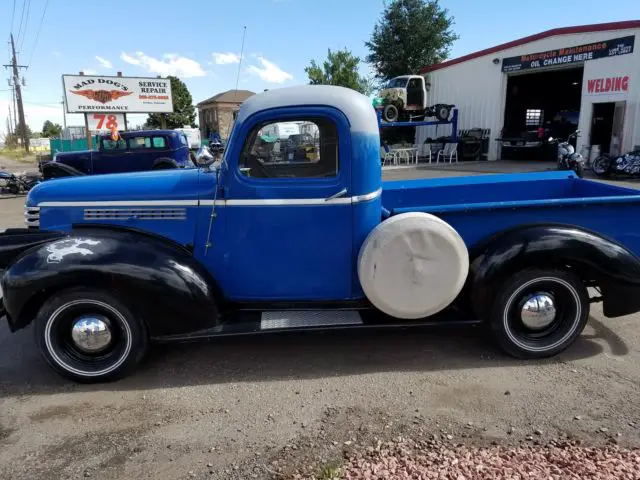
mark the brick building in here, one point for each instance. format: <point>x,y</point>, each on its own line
<point>217,114</point>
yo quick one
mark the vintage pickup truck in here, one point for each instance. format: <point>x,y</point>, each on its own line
<point>256,244</point>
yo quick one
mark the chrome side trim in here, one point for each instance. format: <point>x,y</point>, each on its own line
<point>221,203</point>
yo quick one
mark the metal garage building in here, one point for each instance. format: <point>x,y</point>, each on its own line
<point>586,77</point>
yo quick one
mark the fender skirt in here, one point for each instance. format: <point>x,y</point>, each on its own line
<point>594,258</point>
<point>159,281</point>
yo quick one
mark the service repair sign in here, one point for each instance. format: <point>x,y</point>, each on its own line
<point>569,55</point>
<point>91,93</point>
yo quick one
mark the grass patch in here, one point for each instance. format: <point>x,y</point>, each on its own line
<point>18,155</point>
<point>329,471</point>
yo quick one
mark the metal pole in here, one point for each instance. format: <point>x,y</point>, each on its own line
<point>16,86</point>
<point>86,128</point>
<point>125,122</point>
<point>244,33</point>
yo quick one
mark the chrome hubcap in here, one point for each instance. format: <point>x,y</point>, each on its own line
<point>538,312</point>
<point>91,333</point>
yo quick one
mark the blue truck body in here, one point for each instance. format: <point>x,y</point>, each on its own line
<point>268,236</point>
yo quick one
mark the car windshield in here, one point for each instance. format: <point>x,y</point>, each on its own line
<point>398,82</point>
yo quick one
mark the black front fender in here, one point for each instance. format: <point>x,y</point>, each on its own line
<point>593,257</point>
<point>159,281</point>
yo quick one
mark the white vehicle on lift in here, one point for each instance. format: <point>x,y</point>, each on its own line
<point>405,98</point>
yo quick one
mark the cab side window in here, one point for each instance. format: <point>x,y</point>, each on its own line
<point>304,148</point>
<point>113,145</point>
<point>160,142</point>
<point>136,143</point>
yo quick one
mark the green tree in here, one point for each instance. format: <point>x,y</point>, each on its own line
<point>340,68</point>
<point>410,35</point>
<point>51,130</point>
<point>19,129</point>
<point>184,113</point>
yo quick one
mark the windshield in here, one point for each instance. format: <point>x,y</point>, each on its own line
<point>398,82</point>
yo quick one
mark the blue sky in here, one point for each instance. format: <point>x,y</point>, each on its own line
<point>200,40</point>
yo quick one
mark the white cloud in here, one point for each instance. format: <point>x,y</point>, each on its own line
<point>169,64</point>
<point>226,58</point>
<point>130,59</point>
<point>269,72</point>
<point>89,71</point>
<point>104,62</point>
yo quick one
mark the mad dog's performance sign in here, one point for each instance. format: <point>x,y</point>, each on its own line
<point>90,93</point>
<point>564,56</point>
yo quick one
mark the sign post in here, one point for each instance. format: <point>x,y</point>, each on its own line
<point>89,136</point>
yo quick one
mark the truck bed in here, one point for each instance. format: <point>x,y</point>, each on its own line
<point>480,206</point>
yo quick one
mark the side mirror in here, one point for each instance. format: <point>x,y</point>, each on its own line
<point>204,157</point>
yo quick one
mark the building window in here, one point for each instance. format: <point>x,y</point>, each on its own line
<point>534,117</point>
<point>282,150</point>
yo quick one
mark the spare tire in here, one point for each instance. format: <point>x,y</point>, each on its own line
<point>442,112</point>
<point>413,265</point>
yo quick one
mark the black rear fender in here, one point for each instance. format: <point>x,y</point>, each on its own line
<point>159,281</point>
<point>594,258</point>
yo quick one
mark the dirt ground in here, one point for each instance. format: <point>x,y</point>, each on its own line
<point>249,407</point>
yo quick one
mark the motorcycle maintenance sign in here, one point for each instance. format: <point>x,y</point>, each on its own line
<point>569,55</point>
<point>91,93</point>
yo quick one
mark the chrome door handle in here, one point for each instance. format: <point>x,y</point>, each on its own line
<point>339,194</point>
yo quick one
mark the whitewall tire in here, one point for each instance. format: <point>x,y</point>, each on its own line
<point>89,336</point>
<point>538,313</point>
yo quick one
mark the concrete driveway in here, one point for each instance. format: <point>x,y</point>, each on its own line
<point>247,407</point>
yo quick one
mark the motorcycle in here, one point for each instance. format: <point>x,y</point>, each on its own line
<point>18,183</point>
<point>627,164</point>
<point>568,158</point>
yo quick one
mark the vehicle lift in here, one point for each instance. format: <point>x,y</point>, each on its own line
<point>453,122</point>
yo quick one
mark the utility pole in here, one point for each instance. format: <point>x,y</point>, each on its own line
<point>15,111</point>
<point>18,97</point>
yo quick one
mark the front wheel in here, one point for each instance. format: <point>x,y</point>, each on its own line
<point>89,336</point>
<point>538,312</point>
<point>391,113</point>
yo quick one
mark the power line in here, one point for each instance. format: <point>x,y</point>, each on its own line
<point>13,13</point>
<point>26,23</point>
<point>24,3</point>
<point>38,33</point>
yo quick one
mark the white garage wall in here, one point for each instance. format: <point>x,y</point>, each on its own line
<point>477,87</point>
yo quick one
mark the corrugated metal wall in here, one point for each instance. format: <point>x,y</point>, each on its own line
<point>477,87</point>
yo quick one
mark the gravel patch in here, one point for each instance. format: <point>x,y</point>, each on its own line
<point>407,459</point>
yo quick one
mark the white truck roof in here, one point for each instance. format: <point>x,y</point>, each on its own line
<point>354,105</point>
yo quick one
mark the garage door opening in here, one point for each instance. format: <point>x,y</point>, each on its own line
<point>539,106</point>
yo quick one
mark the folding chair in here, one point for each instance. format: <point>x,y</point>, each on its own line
<point>449,151</point>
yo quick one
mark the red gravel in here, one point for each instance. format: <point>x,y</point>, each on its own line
<point>407,459</point>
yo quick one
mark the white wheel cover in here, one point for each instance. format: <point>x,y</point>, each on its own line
<point>413,265</point>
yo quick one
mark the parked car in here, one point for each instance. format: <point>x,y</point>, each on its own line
<point>134,151</point>
<point>405,98</point>
<point>111,263</point>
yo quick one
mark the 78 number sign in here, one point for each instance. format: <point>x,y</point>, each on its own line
<point>105,122</point>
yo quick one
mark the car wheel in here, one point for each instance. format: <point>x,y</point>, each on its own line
<point>539,313</point>
<point>89,336</point>
<point>391,113</point>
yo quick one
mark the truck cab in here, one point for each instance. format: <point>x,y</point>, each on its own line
<point>405,98</point>
<point>261,243</point>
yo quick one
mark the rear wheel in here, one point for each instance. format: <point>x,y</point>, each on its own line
<point>89,336</point>
<point>442,112</point>
<point>539,313</point>
<point>601,165</point>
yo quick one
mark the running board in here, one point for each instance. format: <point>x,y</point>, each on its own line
<point>248,323</point>
<point>308,319</point>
